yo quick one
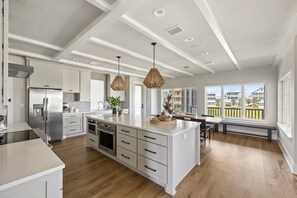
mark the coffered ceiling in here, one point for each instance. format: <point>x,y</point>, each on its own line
<point>214,35</point>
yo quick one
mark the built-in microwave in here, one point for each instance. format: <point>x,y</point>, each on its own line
<point>92,126</point>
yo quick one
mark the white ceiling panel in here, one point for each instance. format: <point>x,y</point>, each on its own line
<point>52,21</point>
<point>14,44</point>
<point>254,28</point>
<point>187,16</point>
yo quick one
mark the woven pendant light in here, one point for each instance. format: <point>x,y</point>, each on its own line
<point>118,83</point>
<point>154,79</point>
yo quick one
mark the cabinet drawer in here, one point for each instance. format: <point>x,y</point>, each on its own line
<point>152,151</point>
<point>126,142</point>
<point>93,140</point>
<point>72,115</point>
<point>72,129</point>
<point>126,156</point>
<point>72,122</point>
<point>127,131</point>
<point>151,168</point>
<point>153,137</point>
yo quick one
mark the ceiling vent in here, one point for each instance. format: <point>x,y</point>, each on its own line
<point>173,30</point>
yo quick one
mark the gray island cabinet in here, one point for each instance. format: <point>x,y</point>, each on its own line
<point>163,153</point>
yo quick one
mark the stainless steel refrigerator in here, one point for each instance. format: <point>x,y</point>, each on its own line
<point>45,111</point>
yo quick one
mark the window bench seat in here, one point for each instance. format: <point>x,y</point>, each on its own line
<point>269,128</point>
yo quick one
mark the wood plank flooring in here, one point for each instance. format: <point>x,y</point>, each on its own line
<point>232,166</point>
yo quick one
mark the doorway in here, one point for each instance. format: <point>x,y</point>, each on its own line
<point>138,100</point>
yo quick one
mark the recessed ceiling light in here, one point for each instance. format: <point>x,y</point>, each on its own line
<point>208,62</point>
<point>94,63</point>
<point>159,12</point>
<point>189,39</point>
<point>186,67</point>
<point>204,53</point>
<point>105,65</point>
<point>74,59</point>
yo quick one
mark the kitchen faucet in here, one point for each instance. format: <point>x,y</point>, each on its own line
<point>100,102</point>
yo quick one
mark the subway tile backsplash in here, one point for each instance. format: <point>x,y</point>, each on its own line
<point>73,100</point>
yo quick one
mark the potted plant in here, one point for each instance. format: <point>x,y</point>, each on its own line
<point>114,102</point>
<point>120,112</point>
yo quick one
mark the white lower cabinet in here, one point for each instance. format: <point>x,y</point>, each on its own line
<point>48,186</point>
<point>93,140</point>
<point>152,168</point>
<point>72,124</point>
<point>127,156</point>
<point>152,151</point>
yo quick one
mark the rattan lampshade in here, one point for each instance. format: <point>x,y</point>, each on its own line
<point>154,79</point>
<point>118,83</point>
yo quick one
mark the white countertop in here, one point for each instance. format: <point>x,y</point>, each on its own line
<point>144,124</point>
<point>23,161</point>
<point>18,127</point>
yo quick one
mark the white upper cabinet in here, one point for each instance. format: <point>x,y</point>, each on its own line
<point>45,75</point>
<point>70,81</point>
<point>85,86</point>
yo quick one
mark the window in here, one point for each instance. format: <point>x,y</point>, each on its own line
<point>255,101</point>
<point>232,101</point>
<point>184,100</point>
<point>285,98</point>
<point>245,101</point>
<point>213,100</point>
<point>97,94</point>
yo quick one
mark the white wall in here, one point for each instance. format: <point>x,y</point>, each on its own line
<point>289,144</point>
<point>16,90</point>
<point>262,74</point>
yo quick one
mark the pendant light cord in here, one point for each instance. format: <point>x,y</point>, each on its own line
<point>154,44</point>
<point>118,65</point>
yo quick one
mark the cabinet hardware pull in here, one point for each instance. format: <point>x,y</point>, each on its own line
<point>150,168</point>
<point>92,140</point>
<point>150,137</point>
<point>73,116</point>
<point>125,142</point>
<point>73,130</point>
<point>125,131</point>
<point>125,156</point>
<point>153,152</point>
<point>72,122</point>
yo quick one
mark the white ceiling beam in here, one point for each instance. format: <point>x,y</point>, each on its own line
<point>65,61</point>
<point>101,4</point>
<point>135,54</point>
<point>287,40</point>
<point>28,54</point>
<point>34,42</point>
<point>97,58</point>
<point>146,31</point>
<point>214,25</point>
<point>99,24</point>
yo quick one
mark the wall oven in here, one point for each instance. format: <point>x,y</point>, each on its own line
<point>107,137</point>
<point>92,126</point>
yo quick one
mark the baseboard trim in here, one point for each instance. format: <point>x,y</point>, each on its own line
<point>288,157</point>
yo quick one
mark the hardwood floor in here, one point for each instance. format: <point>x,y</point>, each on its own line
<point>232,166</point>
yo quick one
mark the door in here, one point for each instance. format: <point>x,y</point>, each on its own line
<point>138,100</point>
<point>54,103</point>
<point>37,108</point>
<point>66,80</point>
<point>74,79</point>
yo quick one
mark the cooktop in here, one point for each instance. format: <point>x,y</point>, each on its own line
<point>18,136</point>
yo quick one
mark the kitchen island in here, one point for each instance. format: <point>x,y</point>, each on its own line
<point>163,153</point>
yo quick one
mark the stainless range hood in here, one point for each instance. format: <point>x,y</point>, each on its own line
<point>19,71</point>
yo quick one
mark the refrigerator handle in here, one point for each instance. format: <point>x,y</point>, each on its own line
<point>44,109</point>
<point>46,100</point>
